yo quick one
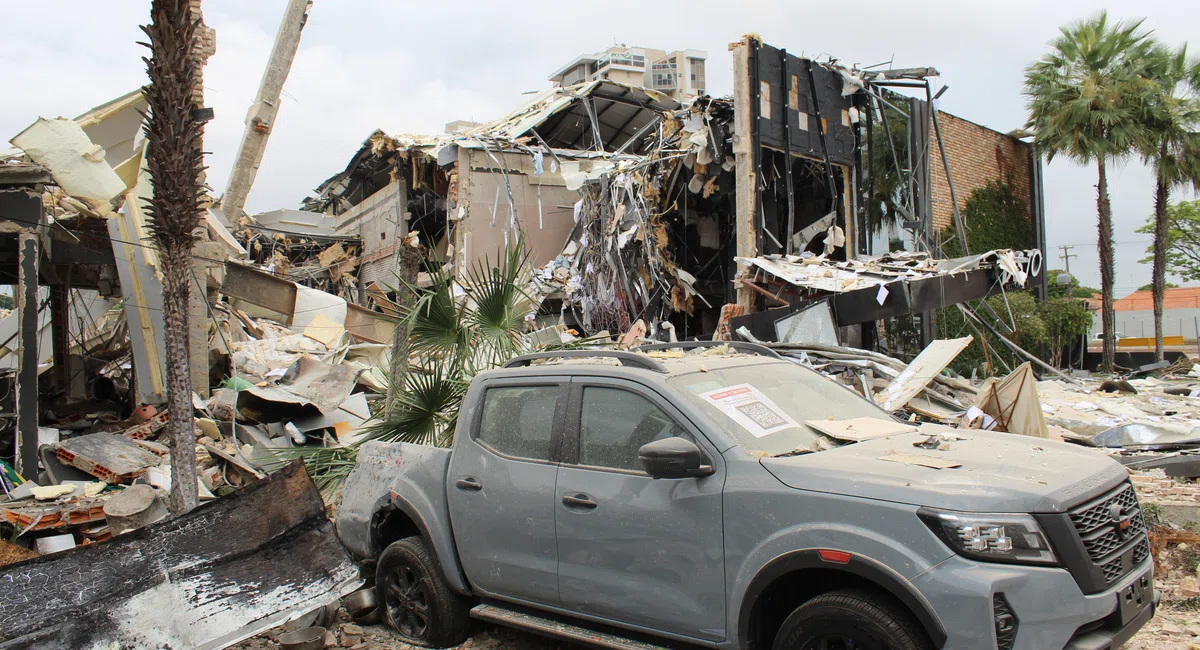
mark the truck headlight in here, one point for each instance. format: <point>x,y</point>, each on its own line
<point>1016,539</point>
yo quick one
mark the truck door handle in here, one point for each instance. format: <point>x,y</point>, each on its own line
<point>579,501</point>
<point>468,484</point>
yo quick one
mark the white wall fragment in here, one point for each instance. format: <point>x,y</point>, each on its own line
<point>76,164</point>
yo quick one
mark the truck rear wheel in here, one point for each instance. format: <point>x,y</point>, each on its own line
<point>850,620</point>
<point>417,603</point>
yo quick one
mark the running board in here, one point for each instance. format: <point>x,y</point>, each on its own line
<point>554,629</point>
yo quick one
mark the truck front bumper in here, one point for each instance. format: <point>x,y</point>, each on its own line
<point>1050,610</point>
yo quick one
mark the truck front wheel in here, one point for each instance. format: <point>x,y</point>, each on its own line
<point>850,620</point>
<point>417,603</point>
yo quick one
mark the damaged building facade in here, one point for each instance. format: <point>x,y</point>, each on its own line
<point>702,218</point>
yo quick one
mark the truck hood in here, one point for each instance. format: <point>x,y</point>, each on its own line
<point>998,472</point>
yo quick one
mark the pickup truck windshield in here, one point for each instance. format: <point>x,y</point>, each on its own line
<point>764,406</point>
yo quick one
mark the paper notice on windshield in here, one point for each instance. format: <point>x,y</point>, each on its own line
<point>750,408</point>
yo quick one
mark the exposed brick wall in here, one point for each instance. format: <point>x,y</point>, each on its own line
<point>977,155</point>
<point>205,47</point>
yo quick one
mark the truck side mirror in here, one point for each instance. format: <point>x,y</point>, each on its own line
<point>673,458</point>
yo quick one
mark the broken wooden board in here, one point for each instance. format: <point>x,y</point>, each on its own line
<point>859,429</point>
<point>922,460</point>
<point>205,580</point>
<point>913,379</point>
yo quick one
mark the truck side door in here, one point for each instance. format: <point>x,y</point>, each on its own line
<point>501,489</point>
<point>632,549</point>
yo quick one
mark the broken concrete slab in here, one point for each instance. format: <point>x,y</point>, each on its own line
<point>134,507</point>
<point>109,457</point>
<point>185,582</point>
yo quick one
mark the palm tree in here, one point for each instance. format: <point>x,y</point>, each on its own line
<point>1083,103</point>
<point>1171,147</point>
<point>887,185</point>
<point>174,161</point>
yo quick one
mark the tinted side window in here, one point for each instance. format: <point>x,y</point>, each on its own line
<point>616,423</point>
<point>519,420</point>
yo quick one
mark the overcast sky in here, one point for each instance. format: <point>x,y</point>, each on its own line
<point>414,66</point>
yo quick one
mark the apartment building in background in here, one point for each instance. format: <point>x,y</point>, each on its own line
<point>678,74</point>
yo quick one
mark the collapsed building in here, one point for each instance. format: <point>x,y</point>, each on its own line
<point>702,219</point>
<point>750,216</point>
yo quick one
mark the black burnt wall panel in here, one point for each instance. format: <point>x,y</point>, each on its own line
<point>792,89</point>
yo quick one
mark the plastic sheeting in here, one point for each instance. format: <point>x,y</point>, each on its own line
<point>1013,402</point>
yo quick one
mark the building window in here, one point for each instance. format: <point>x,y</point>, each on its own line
<point>698,81</point>
<point>662,76</point>
<point>575,75</point>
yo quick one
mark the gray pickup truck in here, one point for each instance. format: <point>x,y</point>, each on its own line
<point>688,498</point>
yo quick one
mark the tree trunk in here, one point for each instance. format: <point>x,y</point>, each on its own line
<point>1162,196</point>
<point>176,265</point>
<point>407,267</point>
<point>1105,249</point>
<point>175,164</point>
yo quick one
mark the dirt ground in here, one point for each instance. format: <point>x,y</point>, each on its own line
<point>1174,628</point>
<point>378,637</point>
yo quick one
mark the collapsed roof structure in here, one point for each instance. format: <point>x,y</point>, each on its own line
<point>634,207</point>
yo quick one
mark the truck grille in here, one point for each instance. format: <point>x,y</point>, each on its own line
<point>1109,527</point>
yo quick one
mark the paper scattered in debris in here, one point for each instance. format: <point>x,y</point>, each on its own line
<point>920,459</point>
<point>859,429</point>
<point>749,407</point>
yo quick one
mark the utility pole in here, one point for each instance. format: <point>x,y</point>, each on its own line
<point>261,118</point>
<point>1066,256</point>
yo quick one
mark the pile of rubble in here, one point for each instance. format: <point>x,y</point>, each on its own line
<point>1144,423</point>
<point>1170,507</point>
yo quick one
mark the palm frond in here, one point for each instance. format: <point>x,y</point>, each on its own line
<point>426,411</point>
<point>1084,96</point>
<point>497,306</point>
<point>435,320</point>
<point>328,467</point>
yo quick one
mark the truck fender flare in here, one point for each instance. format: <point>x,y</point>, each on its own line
<point>453,573</point>
<point>863,567</point>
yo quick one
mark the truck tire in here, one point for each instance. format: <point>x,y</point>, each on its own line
<point>850,619</point>
<point>417,603</point>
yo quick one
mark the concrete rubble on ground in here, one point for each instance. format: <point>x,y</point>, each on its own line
<point>280,361</point>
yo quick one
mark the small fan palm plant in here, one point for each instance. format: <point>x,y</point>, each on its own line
<point>455,331</point>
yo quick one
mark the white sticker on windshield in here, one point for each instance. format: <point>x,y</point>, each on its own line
<point>750,408</point>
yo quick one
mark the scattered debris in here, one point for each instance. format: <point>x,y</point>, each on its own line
<point>1012,403</point>
<point>923,460</point>
<point>920,372</point>
<point>283,561</point>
